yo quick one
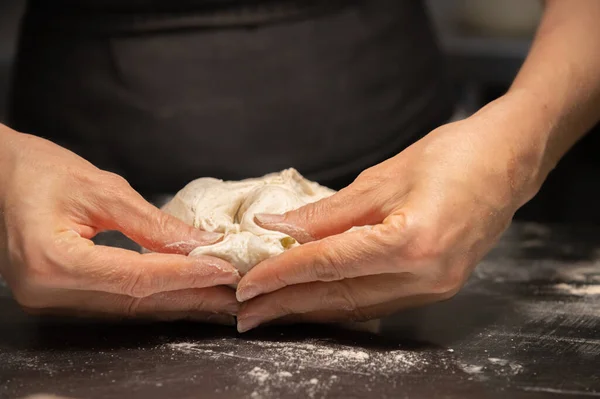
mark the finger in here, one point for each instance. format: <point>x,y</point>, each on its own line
<point>215,300</point>
<point>214,304</point>
<point>347,255</point>
<point>119,271</point>
<point>350,207</point>
<point>125,210</point>
<point>346,296</point>
<point>361,314</point>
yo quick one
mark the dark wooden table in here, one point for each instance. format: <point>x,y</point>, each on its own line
<point>527,325</point>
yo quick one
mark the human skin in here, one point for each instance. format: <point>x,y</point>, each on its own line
<point>436,209</point>
<point>52,202</point>
<point>439,206</point>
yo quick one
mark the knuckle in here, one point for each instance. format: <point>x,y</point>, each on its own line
<point>165,222</point>
<point>81,178</point>
<point>115,180</point>
<point>431,249</point>
<point>280,277</point>
<point>29,298</point>
<point>38,270</point>
<point>308,213</point>
<point>34,276</point>
<point>112,184</point>
<point>425,246</point>
<point>24,298</point>
<point>368,175</point>
<point>131,307</point>
<point>202,304</point>
<point>369,179</point>
<point>326,266</point>
<point>39,261</point>
<point>360,315</point>
<point>281,308</point>
<point>115,189</point>
<point>163,225</point>
<point>339,296</point>
<point>138,285</point>
<point>448,284</point>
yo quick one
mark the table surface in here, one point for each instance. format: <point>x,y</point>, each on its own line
<point>527,325</point>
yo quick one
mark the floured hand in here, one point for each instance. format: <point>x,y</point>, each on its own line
<point>53,202</point>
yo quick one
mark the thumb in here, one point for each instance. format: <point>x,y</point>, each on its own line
<point>333,215</point>
<point>151,228</point>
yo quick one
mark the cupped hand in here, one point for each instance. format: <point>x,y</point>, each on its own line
<point>52,202</point>
<point>430,214</point>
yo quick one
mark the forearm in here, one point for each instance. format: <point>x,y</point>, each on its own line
<point>7,139</point>
<point>555,98</point>
<point>563,71</point>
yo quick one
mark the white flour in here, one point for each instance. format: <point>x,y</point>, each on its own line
<point>526,270</point>
<point>494,366</point>
<point>24,360</point>
<point>260,375</point>
<point>295,355</point>
<point>471,368</point>
<point>577,290</point>
<point>505,367</point>
<point>302,368</point>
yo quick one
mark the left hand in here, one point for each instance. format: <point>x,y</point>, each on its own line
<point>435,210</point>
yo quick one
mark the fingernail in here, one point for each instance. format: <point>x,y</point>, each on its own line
<point>247,292</point>
<point>266,218</point>
<point>209,237</point>
<point>247,323</point>
<point>220,271</point>
<point>226,278</point>
<point>276,222</point>
<point>202,238</point>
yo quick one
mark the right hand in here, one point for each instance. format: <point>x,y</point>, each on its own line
<point>52,202</point>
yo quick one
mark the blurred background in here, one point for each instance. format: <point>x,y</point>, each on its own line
<point>485,42</point>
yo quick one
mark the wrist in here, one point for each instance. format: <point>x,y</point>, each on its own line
<point>519,127</point>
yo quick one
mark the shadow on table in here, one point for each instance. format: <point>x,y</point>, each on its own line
<point>434,326</point>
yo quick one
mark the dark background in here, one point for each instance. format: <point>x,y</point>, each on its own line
<point>485,41</point>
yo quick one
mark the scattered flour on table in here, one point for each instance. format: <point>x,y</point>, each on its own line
<point>471,368</point>
<point>527,270</point>
<point>23,360</point>
<point>505,367</point>
<point>308,369</point>
<point>493,366</point>
<point>577,290</point>
<point>260,375</point>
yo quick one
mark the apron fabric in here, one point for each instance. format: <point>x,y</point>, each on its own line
<point>230,90</point>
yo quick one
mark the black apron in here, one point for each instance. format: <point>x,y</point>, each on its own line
<point>164,92</point>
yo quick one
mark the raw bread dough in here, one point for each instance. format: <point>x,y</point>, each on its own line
<point>229,207</point>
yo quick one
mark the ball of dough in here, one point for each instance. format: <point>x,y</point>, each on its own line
<point>229,207</point>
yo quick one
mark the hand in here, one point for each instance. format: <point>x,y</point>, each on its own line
<point>52,203</point>
<point>434,211</point>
